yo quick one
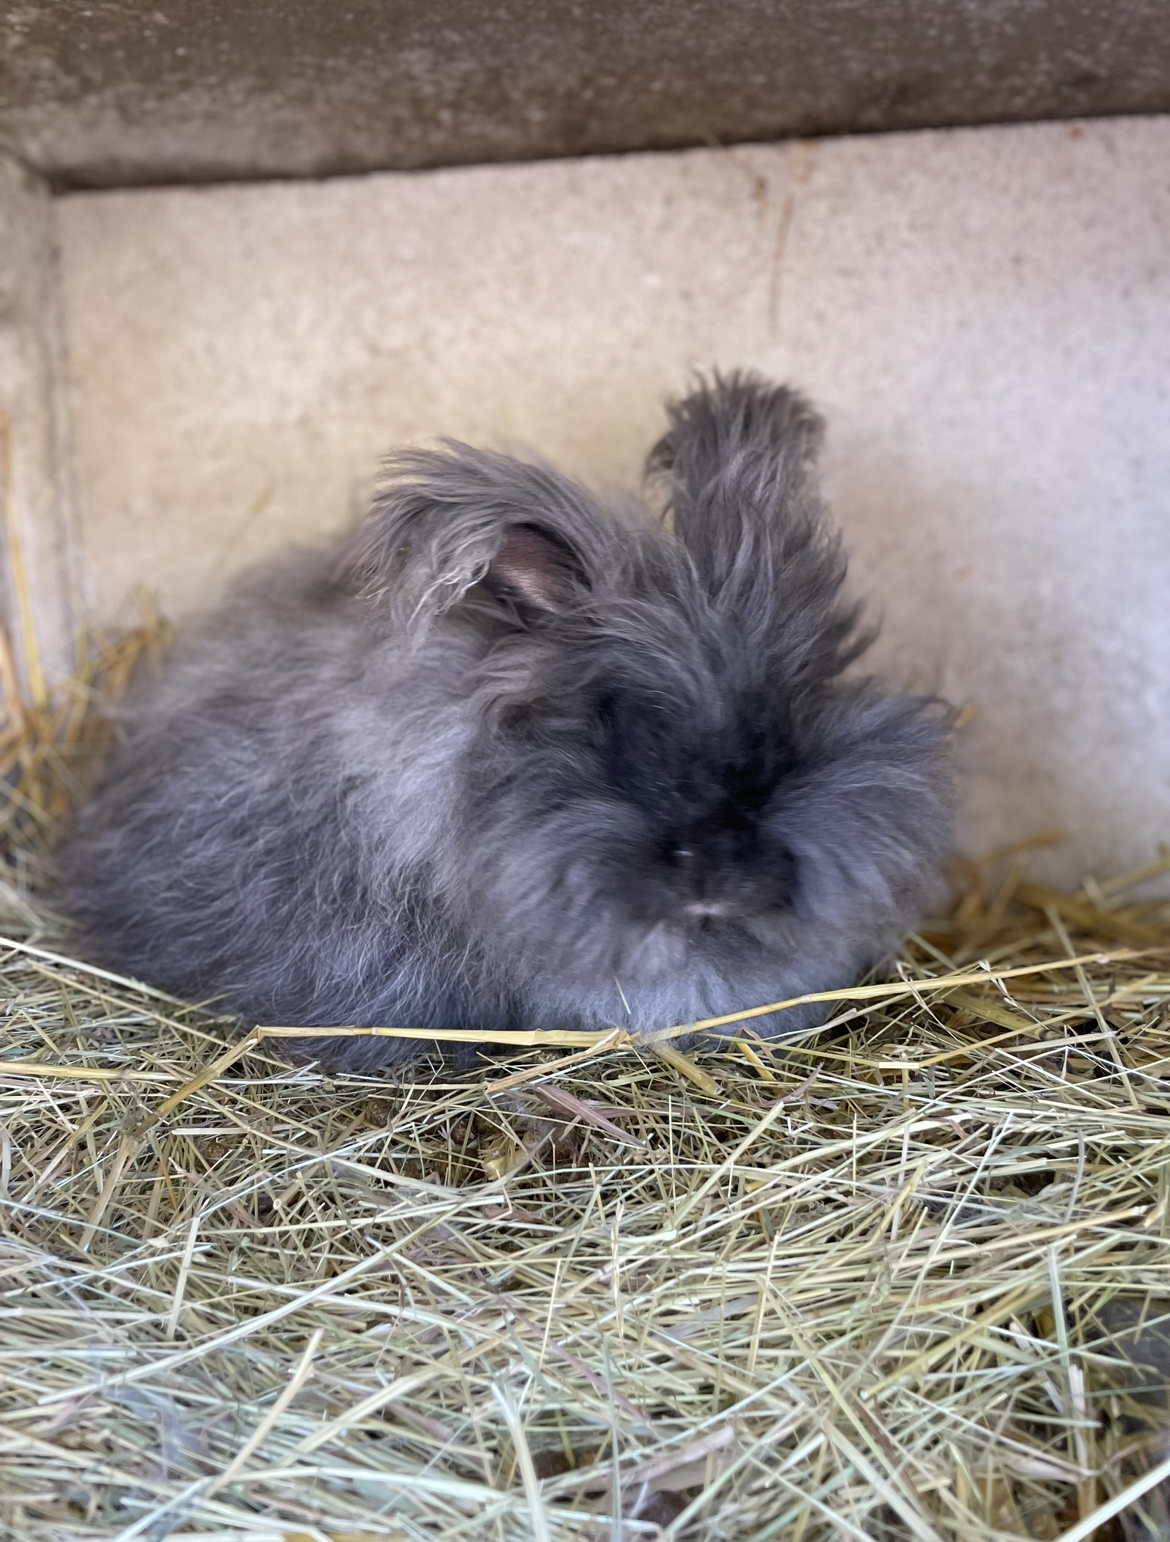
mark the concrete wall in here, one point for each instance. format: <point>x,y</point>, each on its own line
<point>104,92</point>
<point>984,316</point>
<point>35,531</point>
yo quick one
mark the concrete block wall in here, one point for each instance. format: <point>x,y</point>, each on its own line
<point>37,583</point>
<point>982,315</point>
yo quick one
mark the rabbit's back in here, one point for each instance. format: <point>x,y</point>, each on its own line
<point>262,835</point>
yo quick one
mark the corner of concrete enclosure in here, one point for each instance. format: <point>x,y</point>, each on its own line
<point>37,591</point>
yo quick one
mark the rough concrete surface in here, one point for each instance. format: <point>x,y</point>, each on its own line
<point>107,92</point>
<point>984,317</point>
<point>34,479</point>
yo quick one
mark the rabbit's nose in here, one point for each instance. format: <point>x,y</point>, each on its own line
<point>708,908</point>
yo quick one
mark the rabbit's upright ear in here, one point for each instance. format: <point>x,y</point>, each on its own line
<point>738,465</point>
<point>536,569</point>
<point>448,519</point>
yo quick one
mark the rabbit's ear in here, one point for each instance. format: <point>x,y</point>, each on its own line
<point>738,465</point>
<point>536,569</point>
<point>449,519</point>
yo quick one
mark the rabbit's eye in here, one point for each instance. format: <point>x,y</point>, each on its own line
<point>682,854</point>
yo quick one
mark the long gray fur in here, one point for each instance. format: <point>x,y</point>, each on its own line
<point>506,757</point>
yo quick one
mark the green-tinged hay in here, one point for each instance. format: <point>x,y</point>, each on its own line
<point>906,1278</point>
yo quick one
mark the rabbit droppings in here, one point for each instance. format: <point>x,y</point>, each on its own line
<point>508,758</point>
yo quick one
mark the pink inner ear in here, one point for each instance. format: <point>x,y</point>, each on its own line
<point>536,568</point>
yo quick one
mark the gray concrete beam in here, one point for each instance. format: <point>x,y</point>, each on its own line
<point>111,92</point>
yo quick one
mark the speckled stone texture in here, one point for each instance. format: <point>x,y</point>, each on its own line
<point>35,527</point>
<point>117,92</point>
<point>983,316</point>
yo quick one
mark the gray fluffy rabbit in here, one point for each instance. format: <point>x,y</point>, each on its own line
<point>508,758</point>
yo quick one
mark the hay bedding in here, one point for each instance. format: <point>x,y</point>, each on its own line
<point>888,1282</point>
